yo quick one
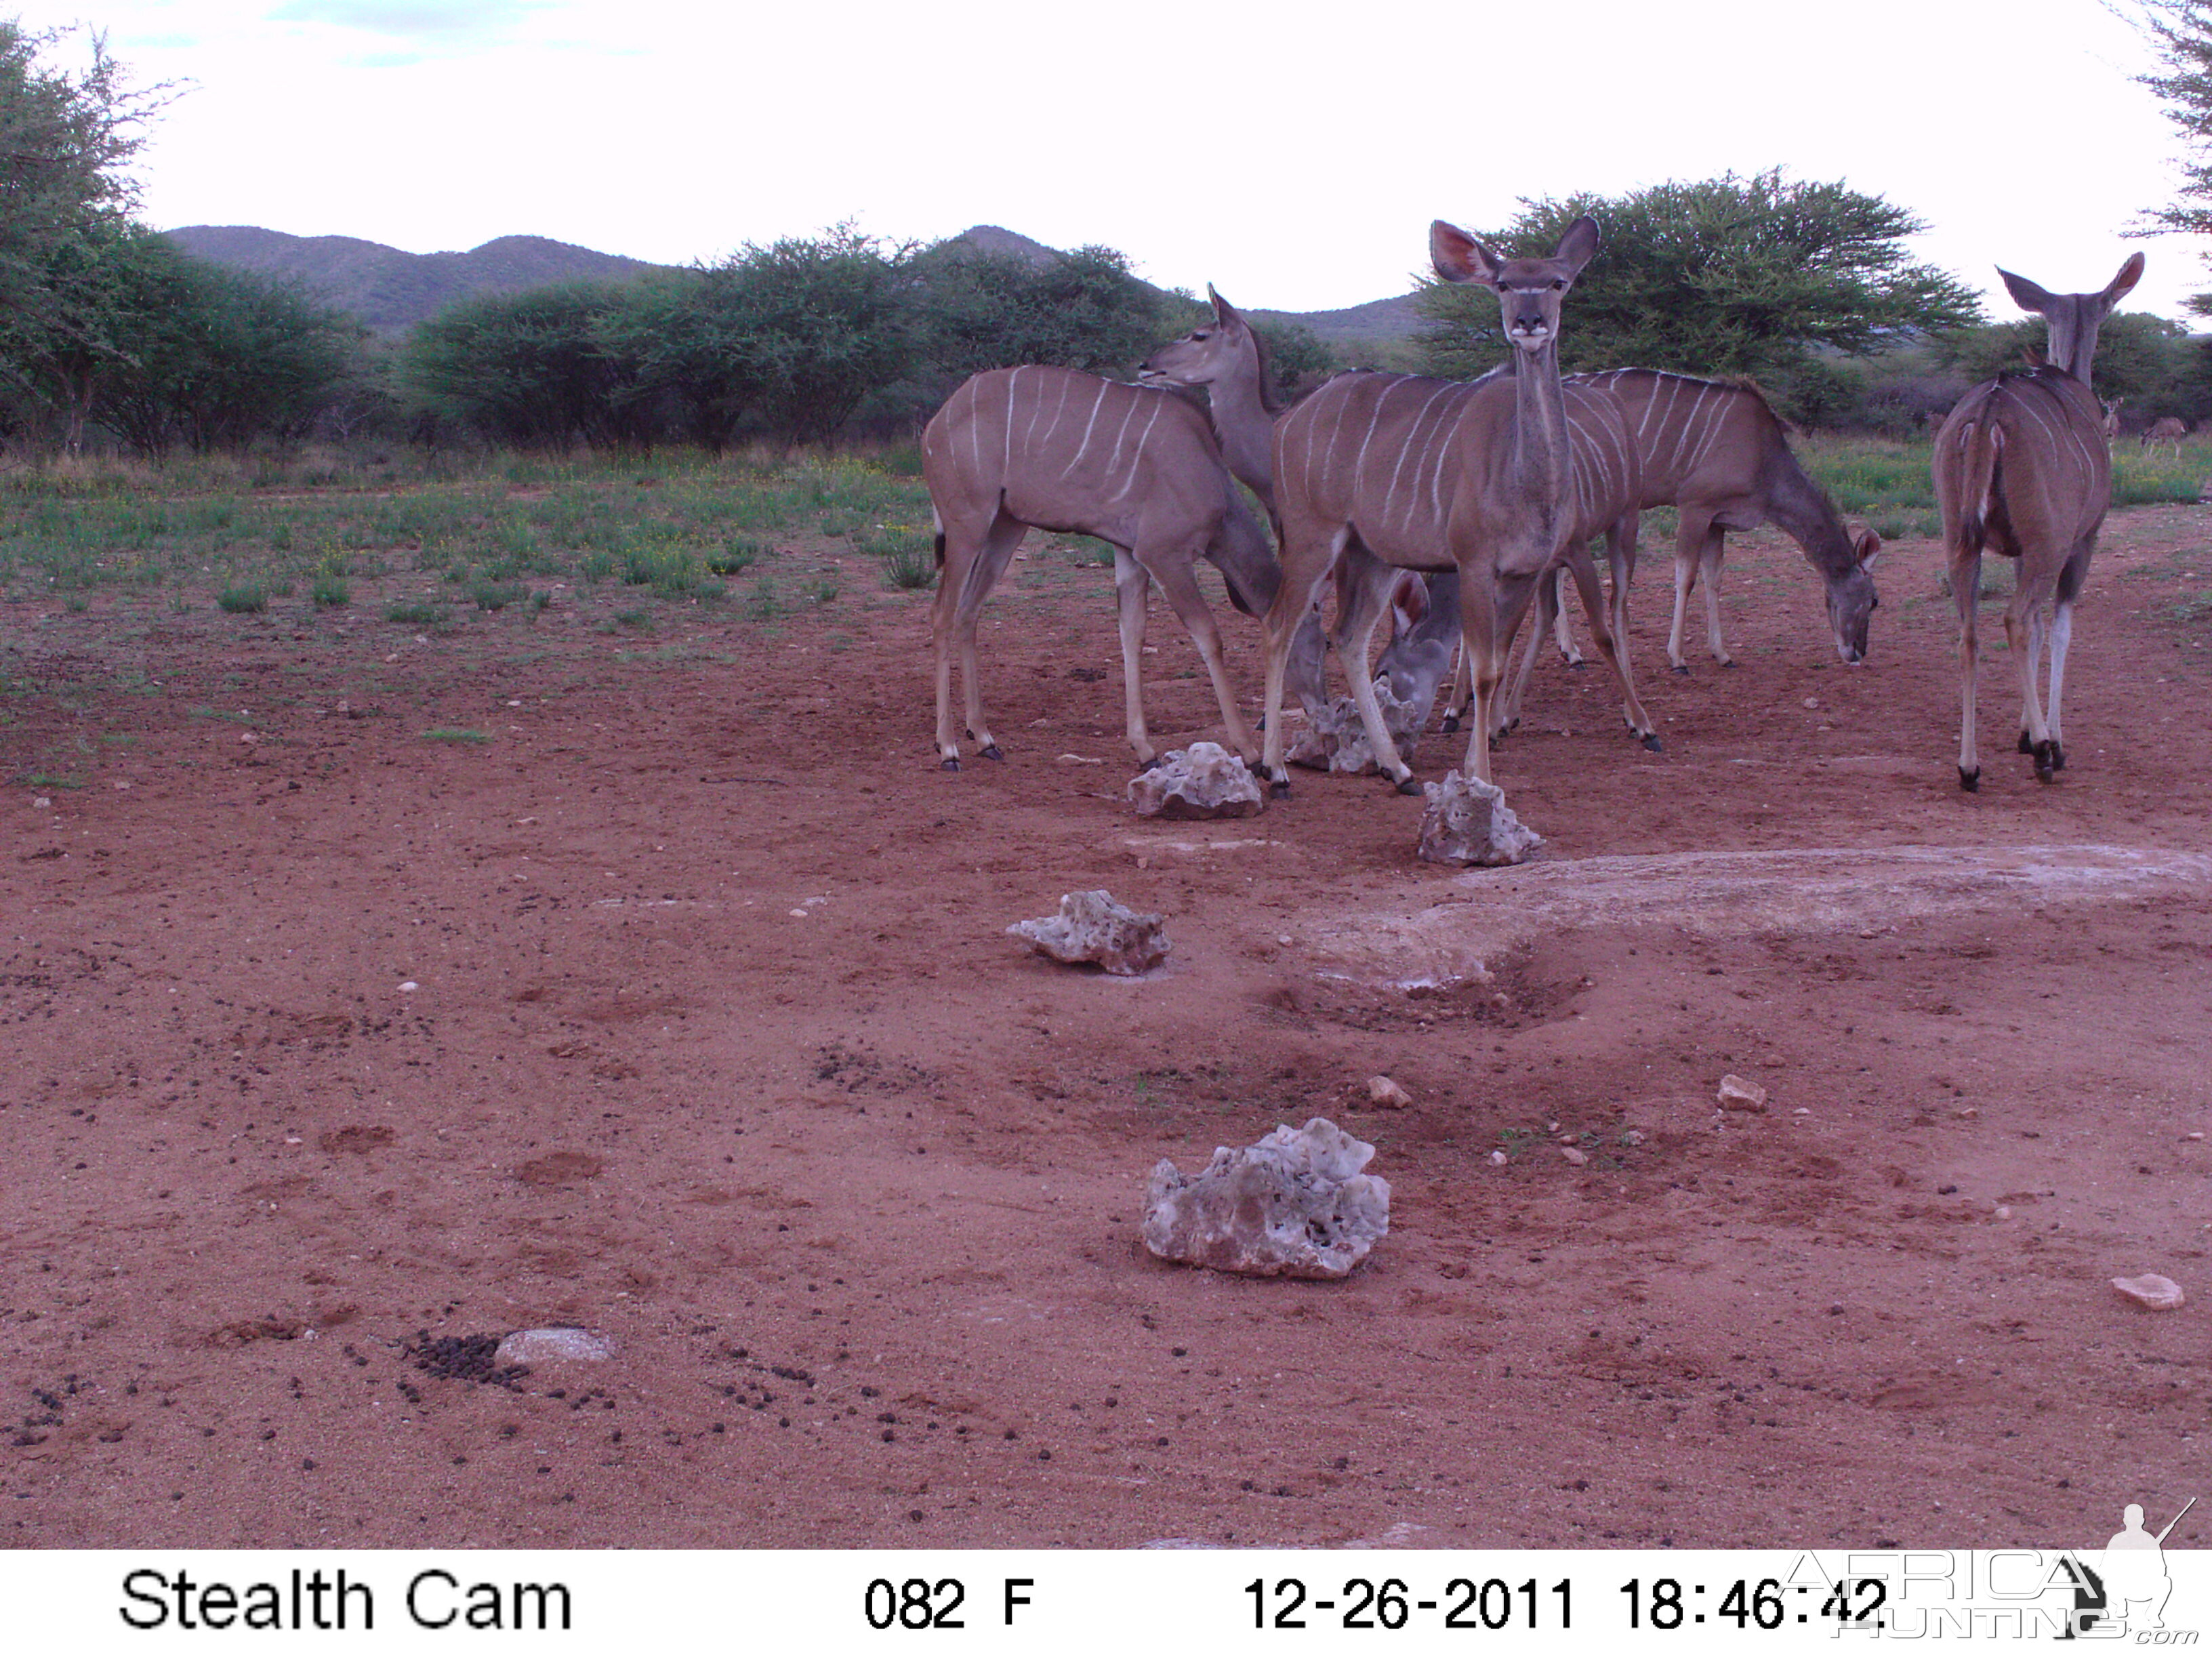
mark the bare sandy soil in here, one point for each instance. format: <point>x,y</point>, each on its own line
<point>718,1047</point>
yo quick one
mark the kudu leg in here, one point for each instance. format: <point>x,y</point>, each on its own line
<point>1004,535</point>
<point>2062,635</point>
<point>1612,646</point>
<point>1487,624</point>
<point>1562,632</point>
<point>1177,581</point>
<point>1462,689</point>
<point>1280,627</point>
<point>1966,572</point>
<point>1368,603</point>
<point>1550,618</point>
<point>2024,632</point>
<point>1133,588</point>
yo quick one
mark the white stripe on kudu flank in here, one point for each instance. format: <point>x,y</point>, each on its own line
<point>1682,434</point>
<point>1404,448</point>
<point>1043,445</point>
<point>974,433</point>
<point>1137,459</point>
<point>1714,423</point>
<point>1087,425</point>
<point>1007,441</point>
<point>1114,466</point>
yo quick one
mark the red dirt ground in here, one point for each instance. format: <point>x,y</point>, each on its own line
<point>718,1047</point>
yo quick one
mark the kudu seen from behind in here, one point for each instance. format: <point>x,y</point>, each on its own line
<point>1501,480</point>
<point>2021,467</point>
<point>1139,468</point>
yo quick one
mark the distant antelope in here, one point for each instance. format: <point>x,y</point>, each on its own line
<point>2167,429</point>
<point>2020,466</point>
<point>2112,421</point>
<point>1138,468</point>
<point>1433,474</point>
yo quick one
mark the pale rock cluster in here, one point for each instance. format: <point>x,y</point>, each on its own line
<point>1202,782</point>
<point>1091,926</point>
<point>1293,1205</point>
<point>1468,821</point>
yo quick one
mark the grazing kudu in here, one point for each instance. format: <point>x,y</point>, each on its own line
<point>1014,448</point>
<point>2020,466</point>
<point>1720,456</point>
<point>2167,429</point>
<point>1436,475</point>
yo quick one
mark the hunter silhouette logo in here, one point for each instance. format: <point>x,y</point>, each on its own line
<point>2135,1583</point>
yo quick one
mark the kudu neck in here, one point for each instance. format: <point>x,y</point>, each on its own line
<point>1245,427</point>
<point>1541,459</point>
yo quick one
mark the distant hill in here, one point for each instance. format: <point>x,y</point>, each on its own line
<point>389,288</point>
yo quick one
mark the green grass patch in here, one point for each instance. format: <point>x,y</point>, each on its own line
<point>248,597</point>
<point>455,734</point>
<point>414,614</point>
<point>330,592</point>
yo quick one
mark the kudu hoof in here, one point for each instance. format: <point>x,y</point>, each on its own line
<point>1279,789</point>
<point>1451,723</point>
<point>1409,785</point>
<point>991,752</point>
<point>1651,740</point>
<point>1970,782</point>
<point>950,763</point>
<point>1678,668</point>
<point>2046,762</point>
<point>1153,764</point>
<point>1577,662</point>
<point>1728,662</point>
<point>2026,744</point>
<point>2057,755</point>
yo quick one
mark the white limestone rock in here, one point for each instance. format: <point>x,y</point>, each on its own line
<point>552,1345</point>
<point>1335,737</point>
<point>1294,1205</point>
<point>2152,1290</point>
<point>1092,928</point>
<point>1202,782</point>
<point>1468,821</point>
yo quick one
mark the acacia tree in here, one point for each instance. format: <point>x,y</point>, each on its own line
<point>66,242</point>
<point>2180,33</point>
<point>1754,275</point>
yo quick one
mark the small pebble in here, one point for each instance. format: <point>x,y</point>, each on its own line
<point>408,985</point>
<point>1382,1091</point>
<point>2004,1211</point>
<point>801,915</point>
<point>1574,1154</point>
<point>42,801</point>
<point>1738,1095</point>
<point>1812,702</point>
<point>1498,1158</point>
<point>1285,938</point>
<point>2152,1291</point>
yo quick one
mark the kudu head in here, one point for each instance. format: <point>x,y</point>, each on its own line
<point>1528,290</point>
<point>1851,597</point>
<point>1212,351</point>
<point>2073,318</point>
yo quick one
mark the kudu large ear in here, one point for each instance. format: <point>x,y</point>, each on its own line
<point>2027,295</point>
<point>1224,313</point>
<point>2130,274</point>
<point>1867,545</point>
<point>1580,242</point>
<point>1458,256</point>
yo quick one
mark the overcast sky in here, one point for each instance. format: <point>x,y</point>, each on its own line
<point>1293,157</point>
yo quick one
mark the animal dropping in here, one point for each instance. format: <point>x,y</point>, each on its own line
<point>1202,782</point>
<point>2152,1291</point>
<point>1092,928</point>
<point>1293,1205</point>
<point>1468,821</point>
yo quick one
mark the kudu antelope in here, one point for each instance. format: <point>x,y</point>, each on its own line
<point>2111,421</point>
<point>1139,468</point>
<point>2167,429</point>
<point>1481,477</point>
<point>1716,453</point>
<point>2021,466</point>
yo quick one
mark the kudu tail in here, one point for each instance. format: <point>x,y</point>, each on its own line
<point>1980,456</point>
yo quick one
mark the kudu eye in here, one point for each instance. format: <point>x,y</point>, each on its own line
<point>1559,283</point>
